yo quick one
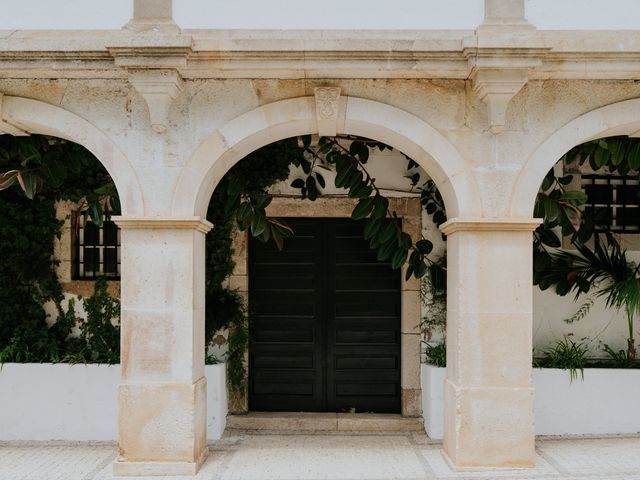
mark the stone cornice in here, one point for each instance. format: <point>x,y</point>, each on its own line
<point>164,223</point>
<point>462,224</point>
<point>312,54</point>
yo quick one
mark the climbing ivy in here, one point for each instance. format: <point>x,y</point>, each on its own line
<point>57,170</point>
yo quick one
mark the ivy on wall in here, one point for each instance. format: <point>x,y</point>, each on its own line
<point>57,170</point>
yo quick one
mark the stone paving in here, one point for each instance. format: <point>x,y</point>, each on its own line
<point>268,456</point>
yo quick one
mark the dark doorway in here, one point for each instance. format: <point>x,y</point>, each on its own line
<point>325,322</point>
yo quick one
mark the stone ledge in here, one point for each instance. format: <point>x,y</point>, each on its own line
<point>85,288</point>
<point>473,224</point>
<point>324,422</point>
<point>186,223</point>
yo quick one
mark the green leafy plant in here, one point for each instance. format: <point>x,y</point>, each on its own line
<point>101,329</point>
<point>436,354</point>
<point>606,272</point>
<point>568,355</point>
<point>433,295</point>
<point>618,358</point>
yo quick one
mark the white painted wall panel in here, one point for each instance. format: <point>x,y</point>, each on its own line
<point>64,14</point>
<point>584,14</point>
<point>605,402</point>
<point>80,402</point>
<point>329,14</point>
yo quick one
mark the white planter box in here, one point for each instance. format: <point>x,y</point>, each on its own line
<point>79,402</point>
<point>605,402</point>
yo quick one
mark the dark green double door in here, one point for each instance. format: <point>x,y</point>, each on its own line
<point>325,322</point>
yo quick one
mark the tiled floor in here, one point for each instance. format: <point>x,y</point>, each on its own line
<point>244,456</point>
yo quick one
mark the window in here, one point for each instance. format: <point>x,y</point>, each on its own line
<point>97,251</point>
<point>613,202</point>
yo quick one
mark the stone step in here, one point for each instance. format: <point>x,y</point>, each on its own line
<point>324,422</point>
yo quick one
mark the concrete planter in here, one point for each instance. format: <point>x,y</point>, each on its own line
<point>79,402</point>
<point>605,402</point>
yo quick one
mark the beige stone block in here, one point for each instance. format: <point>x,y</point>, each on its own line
<point>485,342</point>
<point>239,282</point>
<point>64,270</point>
<point>152,9</point>
<point>284,421</point>
<point>86,288</point>
<point>489,427</point>
<point>162,422</point>
<point>371,422</point>
<point>410,358</point>
<point>240,245</point>
<point>411,312</point>
<point>411,402</point>
<point>163,346</point>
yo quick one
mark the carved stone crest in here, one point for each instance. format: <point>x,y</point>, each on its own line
<point>327,102</point>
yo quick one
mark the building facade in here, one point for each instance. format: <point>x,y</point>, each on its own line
<point>486,110</point>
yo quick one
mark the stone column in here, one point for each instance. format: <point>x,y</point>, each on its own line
<point>153,15</point>
<point>504,11</point>
<point>488,389</point>
<point>162,393</point>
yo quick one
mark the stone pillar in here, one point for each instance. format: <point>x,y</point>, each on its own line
<point>162,392</point>
<point>504,11</point>
<point>153,15</point>
<point>488,389</point>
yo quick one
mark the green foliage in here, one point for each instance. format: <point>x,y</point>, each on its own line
<point>433,294</point>
<point>604,270</point>
<point>101,330</point>
<point>56,170</point>
<point>383,229</point>
<point>436,354</point>
<point>241,199</point>
<point>59,170</point>
<point>619,358</point>
<point>568,355</point>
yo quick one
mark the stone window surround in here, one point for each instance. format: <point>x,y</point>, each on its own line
<point>63,252</point>
<point>410,211</point>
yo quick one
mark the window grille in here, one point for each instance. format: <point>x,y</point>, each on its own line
<point>613,202</point>
<point>97,251</point>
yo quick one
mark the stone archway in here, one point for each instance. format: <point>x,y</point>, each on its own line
<point>24,116</point>
<point>162,399</point>
<point>621,118</point>
<point>356,116</point>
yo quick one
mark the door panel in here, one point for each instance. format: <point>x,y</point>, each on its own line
<point>325,322</point>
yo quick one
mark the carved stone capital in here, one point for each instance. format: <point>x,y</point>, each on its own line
<point>496,88</point>
<point>327,106</point>
<point>6,127</point>
<point>159,88</point>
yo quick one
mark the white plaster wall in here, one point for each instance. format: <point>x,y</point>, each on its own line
<point>331,14</point>
<point>79,402</point>
<point>64,14</point>
<point>583,14</point>
<point>605,402</point>
<point>601,326</point>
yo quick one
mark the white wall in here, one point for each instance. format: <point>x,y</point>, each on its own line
<point>605,402</point>
<point>329,14</point>
<point>79,402</point>
<point>64,14</point>
<point>583,14</point>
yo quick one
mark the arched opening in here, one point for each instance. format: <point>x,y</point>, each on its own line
<point>404,132</point>
<point>585,256</point>
<point>60,284</point>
